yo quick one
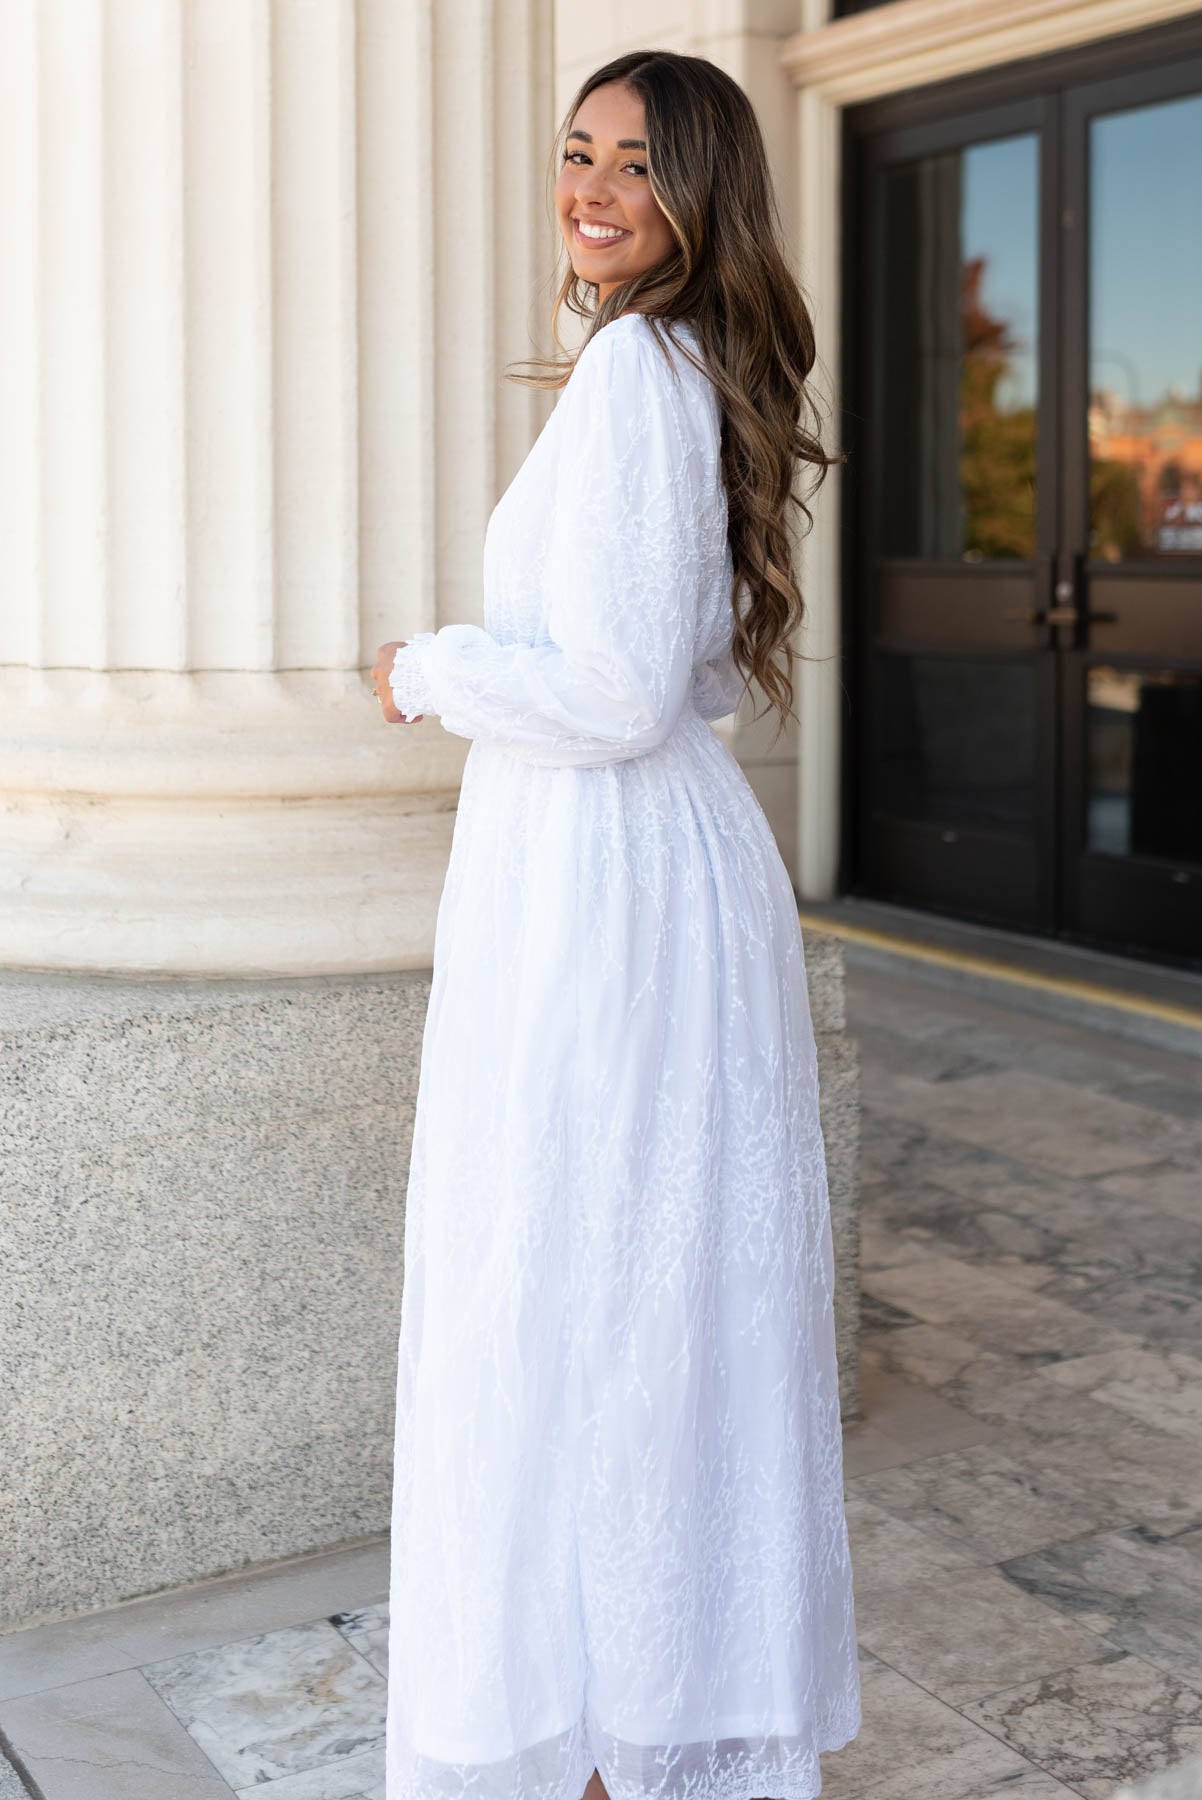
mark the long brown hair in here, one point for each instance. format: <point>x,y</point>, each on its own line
<point>728,276</point>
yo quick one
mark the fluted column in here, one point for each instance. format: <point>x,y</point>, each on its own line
<point>265,260</point>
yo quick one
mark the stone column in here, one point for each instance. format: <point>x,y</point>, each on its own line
<point>264,264</point>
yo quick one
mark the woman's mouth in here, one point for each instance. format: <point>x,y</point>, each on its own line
<point>598,237</point>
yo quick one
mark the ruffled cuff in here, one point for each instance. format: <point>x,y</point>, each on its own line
<point>407,678</point>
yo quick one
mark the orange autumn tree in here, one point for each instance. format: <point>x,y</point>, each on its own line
<point>997,446</point>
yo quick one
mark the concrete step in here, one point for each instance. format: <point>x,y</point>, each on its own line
<point>1147,1001</point>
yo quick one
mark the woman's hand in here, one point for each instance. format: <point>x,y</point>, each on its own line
<point>381,669</point>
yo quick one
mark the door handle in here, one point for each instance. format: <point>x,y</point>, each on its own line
<point>1060,615</point>
<point>1064,609</point>
<point>1046,615</point>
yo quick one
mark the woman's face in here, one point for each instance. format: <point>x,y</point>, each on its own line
<point>603,190</point>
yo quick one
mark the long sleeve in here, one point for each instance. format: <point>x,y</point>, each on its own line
<point>637,464</point>
<point>717,686</point>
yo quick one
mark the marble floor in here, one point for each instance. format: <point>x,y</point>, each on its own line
<point>1024,1491</point>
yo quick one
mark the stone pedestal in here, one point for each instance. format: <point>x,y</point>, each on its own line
<point>203,1187</point>
<point>839,1098</point>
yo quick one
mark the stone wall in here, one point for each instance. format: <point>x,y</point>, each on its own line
<point>202,1188</point>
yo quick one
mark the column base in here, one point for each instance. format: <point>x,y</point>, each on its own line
<point>220,824</point>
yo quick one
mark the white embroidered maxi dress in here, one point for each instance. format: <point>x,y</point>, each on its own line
<point>618,1536</point>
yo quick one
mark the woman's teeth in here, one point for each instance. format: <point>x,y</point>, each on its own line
<point>600,234</point>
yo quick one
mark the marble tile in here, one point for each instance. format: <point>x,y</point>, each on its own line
<point>355,1778</point>
<point>367,1630</point>
<point>943,1056</point>
<point>1190,1538</point>
<point>1033,1416</point>
<point>1179,1099</point>
<point>905,1422</point>
<point>973,1771</point>
<point>1046,1395</point>
<point>277,1704</point>
<point>1163,1390</point>
<point>1169,1186</point>
<point>1136,1587</point>
<point>890,1144</point>
<point>1130,1474</point>
<point>199,1617</point>
<point>880,1247</point>
<point>1067,1237</point>
<point>1182,1782</point>
<point>918,1210</point>
<point>882,1315</point>
<point>1069,1129</point>
<point>1099,1723</point>
<point>1047,1281</point>
<point>912,1746</point>
<point>966,1634</point>
<point>979,1500</point>
<point>890,1552</point>
<point>1062,1206</point>
<point>1064,1239</point>
<point>865,1448</point>
<point>912,1411</point>
<point>991,1311</point>
<point>108,1739</point>
<point>1077,1213</point>
<point>1153,1296</point>
<point>942,1359</point>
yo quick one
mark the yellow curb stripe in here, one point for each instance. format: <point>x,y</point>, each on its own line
<point>966,961</point>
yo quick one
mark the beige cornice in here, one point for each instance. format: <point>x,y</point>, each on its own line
<point>907,43</point>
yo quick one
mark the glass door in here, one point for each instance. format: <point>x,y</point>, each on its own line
<point>957,528</point>
<point>1029,511</point>
<point>1132,675</point>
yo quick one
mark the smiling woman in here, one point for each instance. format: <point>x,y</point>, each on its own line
<point>620,1562</point>
<point>613,225</point>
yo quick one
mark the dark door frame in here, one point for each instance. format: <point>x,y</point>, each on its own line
<point>1016,93</point>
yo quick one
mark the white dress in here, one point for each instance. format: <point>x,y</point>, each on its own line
<point>618,1537</point>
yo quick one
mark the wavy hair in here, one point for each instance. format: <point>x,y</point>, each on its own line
<point>729,277</point>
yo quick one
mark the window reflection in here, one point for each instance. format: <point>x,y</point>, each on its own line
<point>960,364</point>
<point>1145,402</point>
<point>1144,744</point>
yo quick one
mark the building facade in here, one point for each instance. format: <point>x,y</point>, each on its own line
<point>267,264</point>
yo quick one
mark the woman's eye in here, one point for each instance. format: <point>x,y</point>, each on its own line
<point>571,155</point>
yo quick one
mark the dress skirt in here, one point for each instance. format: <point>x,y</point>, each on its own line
<point>618,1530</point>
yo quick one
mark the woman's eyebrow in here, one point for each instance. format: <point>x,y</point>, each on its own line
<point>623,143</point>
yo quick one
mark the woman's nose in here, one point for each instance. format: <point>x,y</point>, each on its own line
<point>592,185</point>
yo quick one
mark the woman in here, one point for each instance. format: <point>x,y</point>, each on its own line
<point>619,1553</point>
